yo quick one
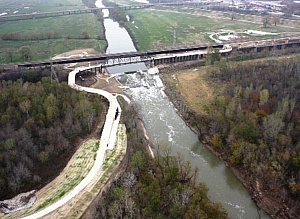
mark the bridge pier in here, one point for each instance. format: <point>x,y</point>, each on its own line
<point>170,55</point>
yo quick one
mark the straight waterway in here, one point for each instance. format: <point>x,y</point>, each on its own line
<point>165,127</point>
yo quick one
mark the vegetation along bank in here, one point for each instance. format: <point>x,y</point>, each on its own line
<point>160,187</point>
<point>41,123</point>
<point>252,124</point>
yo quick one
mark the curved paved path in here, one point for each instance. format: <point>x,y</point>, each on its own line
<point>107,141</point>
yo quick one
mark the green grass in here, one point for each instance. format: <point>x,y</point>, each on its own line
<point>30,6</point>
<point>154,28</point>
<point>76,175</point>
<point>72,25</point>
<point>157,27</point>
<point>44,204</point>
<point>69,29</point>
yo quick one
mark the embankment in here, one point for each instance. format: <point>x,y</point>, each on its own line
<point>266,200</point>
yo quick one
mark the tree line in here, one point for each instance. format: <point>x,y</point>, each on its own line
<point>91,4</point>
<point>23,37</point>
<point>39,124</point>
<point>255,124</point>
<point>42,36</point>
<point>160,187</point>
<point>116,13</point>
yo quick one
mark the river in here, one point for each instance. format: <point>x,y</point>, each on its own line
<point>165,127</point>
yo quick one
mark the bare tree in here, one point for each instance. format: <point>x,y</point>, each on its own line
<point>25,106</point>
<point>266,20</point>
<point>276,20</point>
<point>9,53</point>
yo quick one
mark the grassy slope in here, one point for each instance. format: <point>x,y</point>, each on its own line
<point>67,26</point>
<point>77,168</point>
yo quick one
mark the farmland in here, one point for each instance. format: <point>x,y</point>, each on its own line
<point>47,37</point>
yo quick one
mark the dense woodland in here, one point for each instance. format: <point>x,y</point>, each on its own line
<point>39,122</point>
<point>163,187</point>
<point>255,124</point>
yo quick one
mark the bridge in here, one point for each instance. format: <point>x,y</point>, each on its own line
<point>172,55</point>
<point>38,15</point>
<point>49,14</point>
<point>131,57</point>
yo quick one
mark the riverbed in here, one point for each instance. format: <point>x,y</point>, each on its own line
<point>165,128</point>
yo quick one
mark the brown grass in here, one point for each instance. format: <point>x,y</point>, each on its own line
<point>193,86</point>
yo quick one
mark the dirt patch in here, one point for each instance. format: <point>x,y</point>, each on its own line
<point>193,87</point>
<point>76,53</point>
<point>107,83</point>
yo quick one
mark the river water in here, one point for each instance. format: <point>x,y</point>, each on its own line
<point>165,127</point>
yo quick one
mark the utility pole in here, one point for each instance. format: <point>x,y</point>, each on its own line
<point>174,38</point>
<point>232,9</point>
<point>53,73</point>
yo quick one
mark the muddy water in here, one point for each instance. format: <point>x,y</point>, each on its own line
<point>165,127</point>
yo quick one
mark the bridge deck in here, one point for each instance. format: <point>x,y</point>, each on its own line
<point>141,56</point>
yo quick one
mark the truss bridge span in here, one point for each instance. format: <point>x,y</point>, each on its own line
<point>172,55</point>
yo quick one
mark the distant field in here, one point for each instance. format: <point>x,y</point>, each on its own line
<point>30,6</point>
<point>71,32</point>
<point>154,28</point>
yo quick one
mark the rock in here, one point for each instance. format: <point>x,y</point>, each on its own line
<point>21,201</point>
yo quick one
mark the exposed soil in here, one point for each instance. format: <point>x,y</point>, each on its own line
<point>192,87</point>
<point>107,83</point>
<point>76,53</point>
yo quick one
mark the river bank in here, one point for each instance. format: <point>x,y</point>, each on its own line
<point>266,200</point>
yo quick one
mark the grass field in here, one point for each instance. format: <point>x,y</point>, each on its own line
<point>30,6</point>
<point>154,28</point>
<point>69,31</point>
